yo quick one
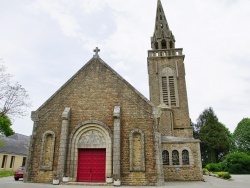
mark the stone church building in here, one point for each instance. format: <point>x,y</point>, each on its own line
<point>98,126</point>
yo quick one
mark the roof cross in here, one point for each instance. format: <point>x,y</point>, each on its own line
<point>96,50</point>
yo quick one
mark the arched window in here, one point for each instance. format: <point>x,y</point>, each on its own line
<point>164,44</point>
<point>169,87</point>
<point>156,45</point>
<point>47,150</point>
<point>137,159</point>
<point>185,157</point>
<point>171,44</point>
<point>175,157</point>
<point>165,157</point>
<point>160,17</point>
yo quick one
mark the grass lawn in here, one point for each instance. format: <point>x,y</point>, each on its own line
<point>6,173</point>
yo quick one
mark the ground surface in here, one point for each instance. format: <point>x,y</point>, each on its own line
<point>237,181</point>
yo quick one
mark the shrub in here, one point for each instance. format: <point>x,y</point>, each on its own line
<point>204,170</point>
<point>214,167</point>
<point>224,175</point>
<point>237,163</point>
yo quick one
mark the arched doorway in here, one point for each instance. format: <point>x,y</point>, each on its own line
<point>90,152</point>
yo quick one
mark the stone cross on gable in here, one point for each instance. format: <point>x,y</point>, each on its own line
<point>96,50</point>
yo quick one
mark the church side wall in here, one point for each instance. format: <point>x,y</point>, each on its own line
<point>181,172</point>
<point>92,95</point>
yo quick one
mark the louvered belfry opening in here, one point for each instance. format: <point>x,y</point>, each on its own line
<point>165,90</point>
<point>168,91</point>
<point>172,91</point>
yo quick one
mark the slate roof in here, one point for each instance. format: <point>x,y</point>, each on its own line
<point>15,144</point>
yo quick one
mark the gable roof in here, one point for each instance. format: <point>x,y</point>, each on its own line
<point>15,144</point>
<point>97,58</point>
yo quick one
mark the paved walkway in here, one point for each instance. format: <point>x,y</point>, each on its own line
<point>237,181</point>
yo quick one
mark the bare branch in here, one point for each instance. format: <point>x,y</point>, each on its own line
<point>13,97</point>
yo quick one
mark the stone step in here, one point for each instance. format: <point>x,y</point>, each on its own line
<point>87,183</point>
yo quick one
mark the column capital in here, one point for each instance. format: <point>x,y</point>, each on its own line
<point>34,116</point>
<point>66,113</point>
<point>117,112</point>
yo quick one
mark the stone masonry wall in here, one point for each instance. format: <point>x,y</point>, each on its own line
<point>92,94</point>
<point>191,172</point>
<point>155,66</point>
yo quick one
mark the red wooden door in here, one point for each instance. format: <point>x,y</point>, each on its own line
<point>91,165</point>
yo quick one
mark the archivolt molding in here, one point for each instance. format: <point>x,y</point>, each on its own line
<point>86,123</point>
<point>89,134</point>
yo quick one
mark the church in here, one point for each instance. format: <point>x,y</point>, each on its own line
<point>97,128</point>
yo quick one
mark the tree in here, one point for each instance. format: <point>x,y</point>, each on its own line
<point>13,97</point>
<point>242,136</point>
<point>5,126</point>
<point>237,163</point>
<point>215,141</point>
<point>215,137</point>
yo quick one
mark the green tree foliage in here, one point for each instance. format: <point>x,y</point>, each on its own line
<point>215,137</point>
<point>242,136</point>
<point>5,126</point>
<point>237,163</point>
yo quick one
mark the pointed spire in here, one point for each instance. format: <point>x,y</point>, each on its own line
<point>163,37</point>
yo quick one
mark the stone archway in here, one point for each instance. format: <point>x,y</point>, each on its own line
<point>89,135</point>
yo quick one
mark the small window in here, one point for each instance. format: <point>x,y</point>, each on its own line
<point>24,161</point>
<point>12,161</point>
<point>160,9</point>
<point>156,45</point>
<point>185,157</point>
<point>175,157</point>
<point>160,17</point>
<point>165,157</point>
<point>161,25</point>
<point>171,44</point>
<point>4,161</point>
<point>164,43</point>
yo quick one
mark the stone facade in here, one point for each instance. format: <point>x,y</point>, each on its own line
<point>145,142</point>
<point>92,94</point>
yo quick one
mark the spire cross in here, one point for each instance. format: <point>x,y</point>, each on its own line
<point>96,50</point>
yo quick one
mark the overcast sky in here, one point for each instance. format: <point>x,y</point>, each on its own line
<point>44,42</point>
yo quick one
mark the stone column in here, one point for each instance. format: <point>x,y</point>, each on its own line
<point>159,162</point>
<point>35,119</point>
<point>63,143</point>
<point>117,143</point>
<point>157,112</point>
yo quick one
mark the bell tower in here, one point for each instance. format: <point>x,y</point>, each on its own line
<point>167,80</point>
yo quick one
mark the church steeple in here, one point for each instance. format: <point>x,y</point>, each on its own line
<point>163,37</point>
